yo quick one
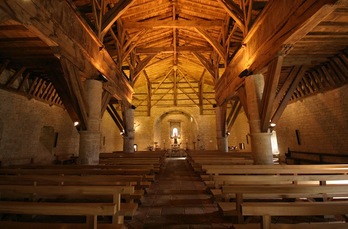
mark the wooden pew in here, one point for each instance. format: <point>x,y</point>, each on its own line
<point>278,193</point>
<point>148,169</point>
<point>314,179</point>
<point>73,180</point>
<point>75,197</point>
<point>90,210</point>
<point>212,170</point>
<point>70,170</point>
<point>138,158</point>
<point>267,210</point>
<point>197,160</point>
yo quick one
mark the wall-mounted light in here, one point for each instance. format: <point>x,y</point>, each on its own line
<point>228,133</point>
<point>245,72</point>
<point>76,123</point>
<point>102,78</point>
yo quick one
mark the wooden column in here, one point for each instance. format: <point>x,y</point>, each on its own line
<point>128,119</point>
<point>260,141</point>
<point>90,139</point>
<point>221,137</point>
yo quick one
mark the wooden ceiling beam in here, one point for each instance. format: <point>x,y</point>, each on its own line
<point>234,11</point>
<point>235,115</point>
<point>116,117</point>
<point>114,13</point>
<point>141,66</point>
<point>287,91</point>
<point>12,79</point>
<point>76,90</point>
<point>213,42</point>
<point>155,50</point>
<point>165,24</point>
<point>283,19</point>
<point>83,48</point>
<point>207,65</point>
<point>270,88</point>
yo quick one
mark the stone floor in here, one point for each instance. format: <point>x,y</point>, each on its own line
<point>178,199</point>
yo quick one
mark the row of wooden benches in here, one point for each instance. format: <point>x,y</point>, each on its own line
<point>279,190</point>
<point>93,191</point>
<point>197,159</point>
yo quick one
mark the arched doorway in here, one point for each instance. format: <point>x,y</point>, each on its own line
<point>175,129</point>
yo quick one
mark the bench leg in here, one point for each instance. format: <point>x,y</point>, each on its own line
<point>239,201</point>
<point>91,221</point>
<point>266,222</point>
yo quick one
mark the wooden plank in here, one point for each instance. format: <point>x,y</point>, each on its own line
<point>271,85</point>
<point>114,13</point>
<point>49,208</point>
<point>214,43</point>
<point>34,225</point>
<point>83,48</point>
<point>285,18</point>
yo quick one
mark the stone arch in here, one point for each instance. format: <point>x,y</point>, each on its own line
<point>188,132</point>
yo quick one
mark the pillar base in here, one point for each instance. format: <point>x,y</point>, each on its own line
<point>222,144</point>
<point>89,147</point>
<point>262,148</point>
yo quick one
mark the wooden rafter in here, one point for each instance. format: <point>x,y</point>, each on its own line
<point>286,92</point>
<point>114,13</point>
<point>116,117</point>
<point>234,116</point>
<point>141,66</point>
<point>269,92</point>
<point>155,50</point>
<point>106,96</point>
<point>241,93</point>
<point>87,53</point>
<point>207,65</point>
<point>201,92</point>
<point>234,11</point>
<point>179,23</point>
<point>213,42</point>
<point>286,18</point>
<point>12,79</point>
<point>75,90</point>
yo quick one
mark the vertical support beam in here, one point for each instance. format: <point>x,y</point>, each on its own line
<point>175,87</point>
<point>260,142</point>
<point>222,143</point>
<point>201,92</point>
<point>269,92</point>
<point>90,138</point>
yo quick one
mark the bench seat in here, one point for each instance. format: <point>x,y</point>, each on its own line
<point>227,208</point>
<point>128,209</point>
<point>269,209</point>
<point>35,225</point>
<point>295,226</point>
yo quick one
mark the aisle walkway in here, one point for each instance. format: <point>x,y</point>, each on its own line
<point>178,199</point>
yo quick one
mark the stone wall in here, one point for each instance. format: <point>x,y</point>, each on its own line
<point>197,131</point>
<point>111,140</point>
<point>32,131</point>
<point>239,133</point>
<point>321,123</point>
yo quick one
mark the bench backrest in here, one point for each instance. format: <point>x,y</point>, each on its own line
<point>318,179</point>
<point>71,180</point>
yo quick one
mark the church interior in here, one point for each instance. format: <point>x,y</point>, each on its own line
<point>174,114</point>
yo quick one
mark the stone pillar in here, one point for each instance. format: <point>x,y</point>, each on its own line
<point>90,138</point>
<point>128,144</point>
<point>221,137</point>
<point>260,142</point>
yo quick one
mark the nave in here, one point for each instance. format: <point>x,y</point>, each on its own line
<point>178,199</point>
